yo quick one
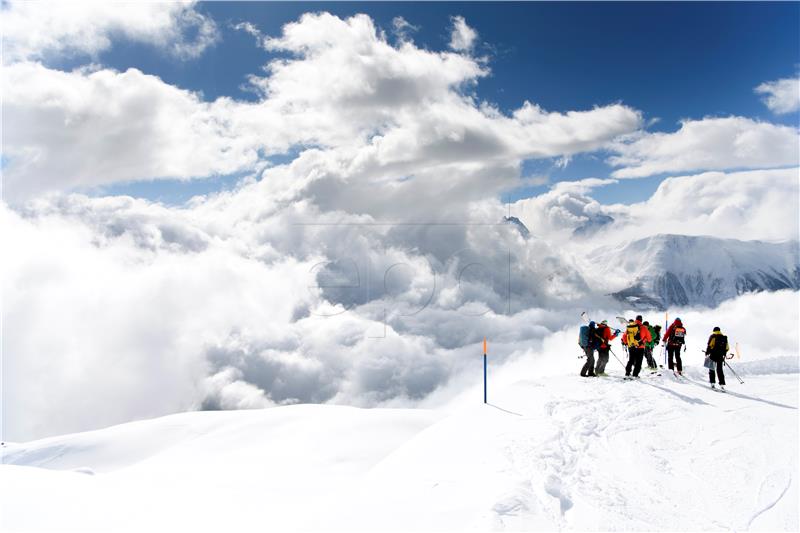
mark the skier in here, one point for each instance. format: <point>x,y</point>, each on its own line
<point>604,336</point>
<point>636,337</point>
<point>716,350</point>
<point>675,338</point>
<point>648,349</point>
<point>657,338</point>
<point>589,342</point>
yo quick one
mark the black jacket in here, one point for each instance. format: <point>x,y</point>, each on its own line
<point>717,347</point>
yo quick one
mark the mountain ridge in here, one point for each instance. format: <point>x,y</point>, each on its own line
<point>666,270</point>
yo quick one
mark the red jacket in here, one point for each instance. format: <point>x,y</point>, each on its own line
<point>644,334</point>
<point>606,336</point>
<point>668,334</point>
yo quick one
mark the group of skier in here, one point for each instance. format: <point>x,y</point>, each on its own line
<point>639,339</point>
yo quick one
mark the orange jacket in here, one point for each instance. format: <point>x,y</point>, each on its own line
<point>644,334</point>
<point>605,335</point>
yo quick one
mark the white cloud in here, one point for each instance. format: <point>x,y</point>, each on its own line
<point>251,29</point>
<point>90,315</point>
<point>462,37</point>
<point>746,205</point>
<point>37,30</point>
<point>707,144</point>
<point>385,118</point>
<point>756,204</point>
<point>781,96</point>
<point>403,28</point>
<point>86,128</point>
<point>562,210</point>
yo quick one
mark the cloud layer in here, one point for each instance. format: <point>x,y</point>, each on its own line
<point>39,30</point>
<point>122,300</point>
<point>707,144</point>
<point>378,112</point>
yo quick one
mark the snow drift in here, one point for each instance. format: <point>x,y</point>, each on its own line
<point>547,453</point>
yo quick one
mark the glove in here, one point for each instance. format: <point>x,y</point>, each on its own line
<point>616,332</point>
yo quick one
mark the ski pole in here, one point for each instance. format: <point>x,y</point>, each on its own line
<point>615,356</point>
<point>734,372</point>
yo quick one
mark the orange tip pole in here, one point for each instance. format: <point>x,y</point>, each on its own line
<point>484,371</point>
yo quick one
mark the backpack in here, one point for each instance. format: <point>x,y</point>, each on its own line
<point>599,335</point>
<point>720,349</point>
<point>632,337</point>
<point>678,336</point>
<point>653,337</point>
<point>583,337</point>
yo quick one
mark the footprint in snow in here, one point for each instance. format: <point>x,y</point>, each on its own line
<point>555,488</point>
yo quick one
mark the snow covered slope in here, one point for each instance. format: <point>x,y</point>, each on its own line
<point>681,270</point>
<point>550,452</point>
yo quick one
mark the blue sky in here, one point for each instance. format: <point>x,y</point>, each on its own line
<point>671,61</point>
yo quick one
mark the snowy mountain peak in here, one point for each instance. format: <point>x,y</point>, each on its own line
<point>666,270</point>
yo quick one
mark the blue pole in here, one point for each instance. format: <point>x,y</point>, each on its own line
<point>484,378</point>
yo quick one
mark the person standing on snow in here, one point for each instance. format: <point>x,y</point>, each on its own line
<point>636,337</point>
<point>675,337</point>
<point>657,339</point>
<point>604,337</point>
<point>716,350</point>
<point>648,349</point>
<point>589,345</point>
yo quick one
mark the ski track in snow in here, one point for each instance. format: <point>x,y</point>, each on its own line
<point>772,482</point>
<point>550,453</point>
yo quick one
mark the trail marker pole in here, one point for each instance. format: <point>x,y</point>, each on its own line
<point>484,370</point>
